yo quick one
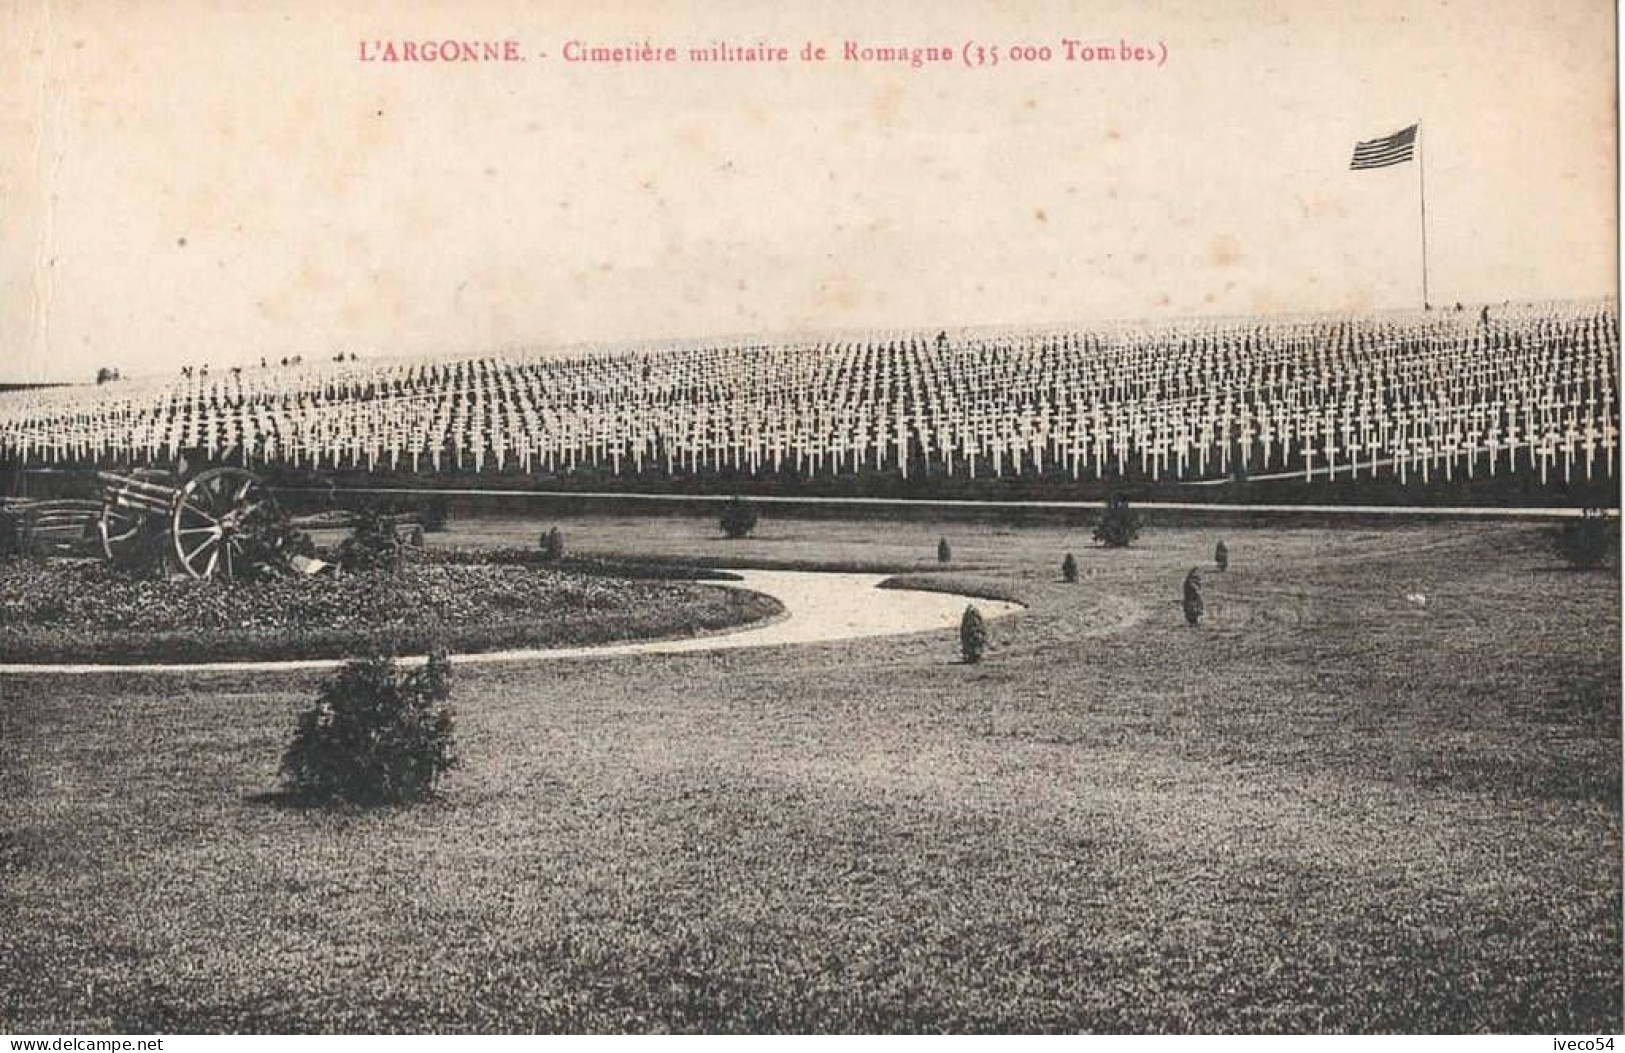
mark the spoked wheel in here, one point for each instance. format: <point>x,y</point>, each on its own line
<point>218,517</point>
<point>124,534</point>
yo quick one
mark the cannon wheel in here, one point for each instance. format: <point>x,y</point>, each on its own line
<point>211,513</point>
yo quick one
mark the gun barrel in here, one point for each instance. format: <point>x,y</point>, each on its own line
<point>128,492</point>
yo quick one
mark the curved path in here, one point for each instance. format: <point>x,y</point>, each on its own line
<point>819,608</point>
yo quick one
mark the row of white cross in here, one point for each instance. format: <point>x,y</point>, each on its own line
<point>1531,391</point>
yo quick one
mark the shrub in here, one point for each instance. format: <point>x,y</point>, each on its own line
<point>738,518</point>
<point>944,553</point>
<point>1119,524</point>
<point>972,635</point>
<point>272,544</point>
<point>1587,542</point>
<point>1193,597</point>
<point>300,543</point>
<point>434,516</point>
<point>375,734</point>
<point>1069,568</point>
<point>1221,556</point>
<point>371,546</point>
<point>552,545</point>
<point>11,535</point>
<point>149,556</point>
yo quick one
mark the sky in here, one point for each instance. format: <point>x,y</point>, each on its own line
<point>198,181</point>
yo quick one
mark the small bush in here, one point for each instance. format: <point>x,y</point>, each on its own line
<point>1119,524</point>
<point>1587,542</point>
<point>1193,597</point>
<point>300,543</point>
<point>375,734</point>
<point>738,518</point>
<point>371,546</point>
<point>11,535</point>
<point>552,545</point>
<point>148,556</point>
<point>944,553</point>
<point>1221,556</point>
<point>434,516</point>
<point>972,635</point>
<point>1069,569</point>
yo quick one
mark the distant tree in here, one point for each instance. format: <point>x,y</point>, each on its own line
<point>1221,556</point>
<point>1587,542</point>
<point>1193,597</point>
<point>105,374</point>
<point>1069,568</point>
<point>1119,524</point>
<point>738,518</point>
<point>944,553</point>
<point>972,635</point>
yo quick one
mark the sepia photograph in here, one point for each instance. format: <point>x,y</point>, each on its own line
<point>659,517</point>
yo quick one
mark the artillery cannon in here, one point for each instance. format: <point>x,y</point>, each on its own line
<point>221,522</point>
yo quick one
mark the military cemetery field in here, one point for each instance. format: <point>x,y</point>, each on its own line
<point>1378,788</point>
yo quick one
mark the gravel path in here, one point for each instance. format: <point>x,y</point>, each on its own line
<point>820,608</point>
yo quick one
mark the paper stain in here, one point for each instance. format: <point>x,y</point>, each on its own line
<point>888,104</point>
<point>693,137</point>
<point>1266,302</point>
<point>837,294</point>
<point>1224,251</point>
<point>1321,207</point>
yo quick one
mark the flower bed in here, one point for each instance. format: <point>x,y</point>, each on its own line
<point>629,569</point>
<point>64,611</point>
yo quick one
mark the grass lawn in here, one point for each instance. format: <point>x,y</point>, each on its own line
<point>1329,808</point>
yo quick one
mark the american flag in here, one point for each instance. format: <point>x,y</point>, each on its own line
<point>1393,149</point>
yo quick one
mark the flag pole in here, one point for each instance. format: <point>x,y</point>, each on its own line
<point>1422,186</point>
